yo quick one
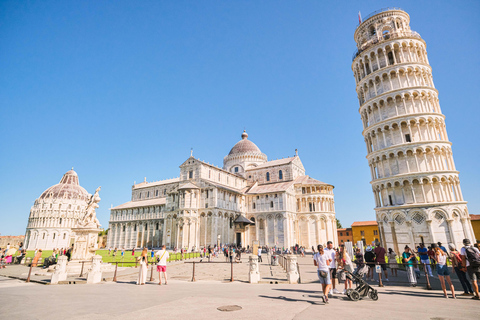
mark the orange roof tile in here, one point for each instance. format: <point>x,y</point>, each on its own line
<point>475,216</point>
<point>364,223</point>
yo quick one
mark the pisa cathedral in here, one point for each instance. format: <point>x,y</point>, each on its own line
<point>249,199</point>
<point>414,179</point>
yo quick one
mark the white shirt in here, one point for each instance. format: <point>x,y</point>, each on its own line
<point>464,253</point>
<point>331,255</point>
<point>442,259</point>
<point>321,260</point>
<point>163,260</point>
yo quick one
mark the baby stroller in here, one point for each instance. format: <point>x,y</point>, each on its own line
<point>362,288</point>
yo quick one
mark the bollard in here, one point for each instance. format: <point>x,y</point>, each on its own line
<point>429,287</point>
<point>29,272</point>
<point>380,283</point>
<point>81,271</point>
<point>151,273</point>
<point>193,273</point>
<point>231,278</point>
<point>115,274</point>
<point>299,277</point>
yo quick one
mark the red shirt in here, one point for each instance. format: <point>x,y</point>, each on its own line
<point>379,255</point>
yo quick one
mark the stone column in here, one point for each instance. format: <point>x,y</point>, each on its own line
<point>430,230</point>
<point>254,273</point>
<point>292,270</point>
<point>452,234</point>
<point>148,235</point>
<point>394,236</point>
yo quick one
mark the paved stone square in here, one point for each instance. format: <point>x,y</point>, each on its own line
<point>212,290</point>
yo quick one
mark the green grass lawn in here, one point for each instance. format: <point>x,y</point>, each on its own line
<point>127,259</point>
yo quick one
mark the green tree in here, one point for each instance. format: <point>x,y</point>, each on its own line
<point>339,225</point>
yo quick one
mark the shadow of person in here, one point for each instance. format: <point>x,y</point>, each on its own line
<point>292,300</point>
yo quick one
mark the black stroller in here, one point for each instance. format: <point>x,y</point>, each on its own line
<point>362,288</point>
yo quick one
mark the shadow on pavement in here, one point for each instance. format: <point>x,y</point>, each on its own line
<point>294,300</point>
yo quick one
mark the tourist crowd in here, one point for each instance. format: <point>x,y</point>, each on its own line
<point>332,262</point>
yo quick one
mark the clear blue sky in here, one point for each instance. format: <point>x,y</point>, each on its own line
<point>122,90</point>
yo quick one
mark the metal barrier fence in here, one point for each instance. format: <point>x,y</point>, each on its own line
<point>195,263</point>
<point>405,265</point>
<point>184,256</point>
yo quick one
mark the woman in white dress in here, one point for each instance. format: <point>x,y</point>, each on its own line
<point>142,273</point>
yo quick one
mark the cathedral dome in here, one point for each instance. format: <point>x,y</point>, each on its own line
<point>244,155</point>
<point>68,188</point>
<point>244,146</point>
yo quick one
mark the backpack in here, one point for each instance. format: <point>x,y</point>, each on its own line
<point>472,256</point>
<point>458,258</point>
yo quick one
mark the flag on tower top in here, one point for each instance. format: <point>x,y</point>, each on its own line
<point>359,17</point>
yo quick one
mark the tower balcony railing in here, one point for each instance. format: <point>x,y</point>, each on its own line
<point>385,37</point>
<point>377,12</point>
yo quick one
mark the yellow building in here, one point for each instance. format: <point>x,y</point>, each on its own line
<point>476,225</point>
<point>366,231</point>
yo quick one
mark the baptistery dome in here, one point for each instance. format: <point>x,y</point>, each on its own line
<point>55,213</point>
<point>67,188</point>
<point>244,155</point>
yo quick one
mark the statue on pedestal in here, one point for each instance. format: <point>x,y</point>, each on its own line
<point>86,231</point>
<point>90,220</point>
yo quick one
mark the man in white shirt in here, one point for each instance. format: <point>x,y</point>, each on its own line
<point>473,270</point>
<point>332,253</point>
<point>322,260</point>
<point>260,254</point>
<point>162,257</point>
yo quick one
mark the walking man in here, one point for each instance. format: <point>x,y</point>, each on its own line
<point>259,254</point>
<point>162,257</point>
<point>332,255</point>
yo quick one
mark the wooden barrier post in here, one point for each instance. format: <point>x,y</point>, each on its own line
<point>231,278</point>
<point>115,274</point>
<point>429,287</point>
<point>29,272</point>
<point>151,273</point>
<point>193,273</point>
<point>81,271</point>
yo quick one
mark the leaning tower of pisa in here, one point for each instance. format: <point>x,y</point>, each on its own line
<point>414,179</point>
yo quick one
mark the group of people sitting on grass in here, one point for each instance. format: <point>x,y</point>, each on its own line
<point>330,261</point>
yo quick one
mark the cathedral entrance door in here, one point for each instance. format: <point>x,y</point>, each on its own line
<point>239,239</point>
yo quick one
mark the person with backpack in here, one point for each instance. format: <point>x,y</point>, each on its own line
<point>471,259</point>
<point>460,269</point>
